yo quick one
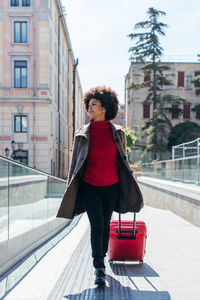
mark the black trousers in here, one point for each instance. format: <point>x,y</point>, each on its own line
<point>99,202</point>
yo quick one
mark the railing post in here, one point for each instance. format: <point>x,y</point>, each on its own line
<point>198,161</point>
<point>173,152</point>
<point>8,200</point>
<point>183,163</point>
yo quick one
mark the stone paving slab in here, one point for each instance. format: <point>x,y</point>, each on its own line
<point>171,268</point>
<point>125,280</point>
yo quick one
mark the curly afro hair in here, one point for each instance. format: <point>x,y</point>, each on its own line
<point>107,97</point>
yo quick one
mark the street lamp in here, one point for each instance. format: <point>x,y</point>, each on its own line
<point>13,145</point>
<point>7,152</point>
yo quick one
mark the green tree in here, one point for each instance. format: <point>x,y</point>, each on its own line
<point>130,141</point>
<point>148,51</point>
<point>196,79</point>
<point>183,133</point>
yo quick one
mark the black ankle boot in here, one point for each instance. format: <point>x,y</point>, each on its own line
<point>100,276</point>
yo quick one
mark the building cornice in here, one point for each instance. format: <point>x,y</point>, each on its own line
<point>20,53</point>
<point>19,15</point>
<point>10,100</point>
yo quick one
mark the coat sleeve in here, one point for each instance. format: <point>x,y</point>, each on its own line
<point>73,160</point>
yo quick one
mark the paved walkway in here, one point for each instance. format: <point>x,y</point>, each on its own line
<point>171,268</point>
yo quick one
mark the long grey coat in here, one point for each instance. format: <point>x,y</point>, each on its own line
<point>129,199</point>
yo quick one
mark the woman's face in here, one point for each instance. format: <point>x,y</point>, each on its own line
<point>95,110</point>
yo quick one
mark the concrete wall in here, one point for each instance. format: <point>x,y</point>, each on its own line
<point>14,249</point>
<point>182,199</point>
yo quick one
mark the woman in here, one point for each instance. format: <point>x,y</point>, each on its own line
<point>100,180</point>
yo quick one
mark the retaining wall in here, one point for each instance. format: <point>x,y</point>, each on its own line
<point>182,199</point>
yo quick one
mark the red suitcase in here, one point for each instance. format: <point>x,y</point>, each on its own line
<point>127,240</point>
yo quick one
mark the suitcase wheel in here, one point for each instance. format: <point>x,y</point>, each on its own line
<point>110,262</point>
<point>141,262</point>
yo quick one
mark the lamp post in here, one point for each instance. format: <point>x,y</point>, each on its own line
<point>13,156</point>
<point>7,151</point>
<point>13,145</point>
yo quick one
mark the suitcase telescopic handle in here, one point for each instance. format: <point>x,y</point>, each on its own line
<point>133,236</point>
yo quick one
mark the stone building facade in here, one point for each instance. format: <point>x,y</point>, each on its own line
<point>39,85</point>
<point>180,74</point>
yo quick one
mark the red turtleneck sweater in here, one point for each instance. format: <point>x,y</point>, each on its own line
<point>101,166</point>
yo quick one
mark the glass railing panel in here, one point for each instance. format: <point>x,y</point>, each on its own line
<point>167,170</point>
<point>147,170</point>
<point>186,170</point>
<point>27,203</point>
<point>190,174</point>
<point>39,189</point>
<point>28,198</point>
<point>56,188</point>
<point>3,200</point>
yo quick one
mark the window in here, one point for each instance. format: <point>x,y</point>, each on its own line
<point>180,79</point>
<point>63,72</point>
<point>66,108</point>
<point>66,80</point>
<point>147,77</point>
<point>50,80</point>
<point>175,111</point>
<point>63,102</point>
<point>198,114</point>
<point>121,119</point>
<point>56,54</point>
<point>50,39</point>
<point>197,84</point>
<point>55,89</point>
<point>63,48</point>
<point>20,74</point>
<point>21,155</point>
<point>51,123</point>
<point>63,134</point>
<point>186,111</point>
<point>146,111</point>
<point>20,123</point>
<point>56,129</point>
<point>14,3</point>
<point>50,9</point>
<point>56,22</point>
<point>26,2</point>
<point>20,32</point>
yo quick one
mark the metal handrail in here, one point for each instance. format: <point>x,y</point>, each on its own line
<point>29,168</point>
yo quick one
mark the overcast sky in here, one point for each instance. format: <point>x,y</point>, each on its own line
<point>98,32</point>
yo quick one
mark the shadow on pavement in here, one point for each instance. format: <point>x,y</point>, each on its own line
<point>114,290</point>
<point>133,269</point>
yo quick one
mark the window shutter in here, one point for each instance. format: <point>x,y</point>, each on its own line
<point>174,111</point>
<point>180,79</point>
<point>186,111</point>
<point>147,77</point>
<point>146,111</point>
<point>198,114</point>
